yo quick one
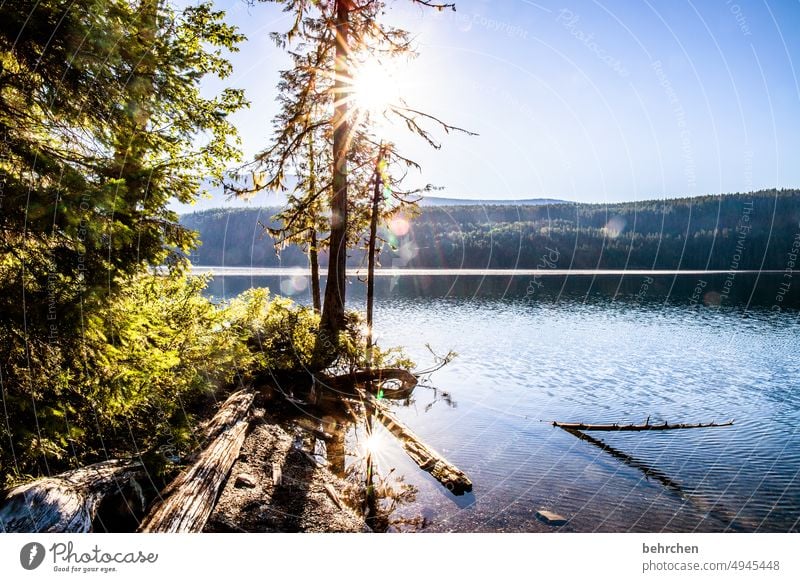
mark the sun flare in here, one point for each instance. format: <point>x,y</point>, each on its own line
<point>373,444</point>
<point>377,85</point>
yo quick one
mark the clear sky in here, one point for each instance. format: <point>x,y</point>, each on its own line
<point>582,100</point>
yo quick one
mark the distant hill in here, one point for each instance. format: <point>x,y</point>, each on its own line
<point>441,201</point>
<point>757,230</point>
<point>216,198</point>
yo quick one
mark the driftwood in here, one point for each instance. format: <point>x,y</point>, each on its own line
<point>68,502</point>
<point>650,472</point>
<point>697,501</point>
<point>188,501</point>
<point>374,380</point>
<point>230,412</point>
<point>635,427</point>
<point>428,460</point>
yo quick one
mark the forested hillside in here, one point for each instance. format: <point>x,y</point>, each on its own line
<point>733,231</point>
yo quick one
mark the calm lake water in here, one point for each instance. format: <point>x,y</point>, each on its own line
<point>596,348</point>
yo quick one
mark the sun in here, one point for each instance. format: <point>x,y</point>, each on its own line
<point>377,85</point>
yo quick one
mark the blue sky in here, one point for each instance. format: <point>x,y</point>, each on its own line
<point>581,100</point>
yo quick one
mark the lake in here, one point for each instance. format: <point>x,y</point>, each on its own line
<point>536,347</point>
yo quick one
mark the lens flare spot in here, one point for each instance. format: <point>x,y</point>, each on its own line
<point>408,251</point>
<point>614,227</point>
<point>399,226</point>
<point>294,284</point>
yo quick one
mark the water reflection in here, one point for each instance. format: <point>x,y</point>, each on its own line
<point>342,435</point>
<point>608,349</point>
<point>711,290</point>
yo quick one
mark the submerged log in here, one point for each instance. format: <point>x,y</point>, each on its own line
<point>188,501</point>
<point>374,380</point>
<point>68,502</point>
<point>713,510</point>
<point>428,460</point>
<point>648,471</point>
<point>635,427</point>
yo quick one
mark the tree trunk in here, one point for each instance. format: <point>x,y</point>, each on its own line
<point>65,503</point>
<point>234,409</point>
<point>313,253</point>
<point>313,258</point>
<point>333,310</point>
<point>373,233</point>
<point>191,497</point>
<point>188,501</point>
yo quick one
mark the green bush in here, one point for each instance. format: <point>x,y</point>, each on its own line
<point>279,334</point>
<point>127,383</point>
<point>130,379</point>
<point>282,336</point>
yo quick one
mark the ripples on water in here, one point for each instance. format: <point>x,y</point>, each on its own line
<point>581,358</point>
<point>521,365</point>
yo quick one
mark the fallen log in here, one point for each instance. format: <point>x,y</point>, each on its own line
<point>234,409</point>
<point>189,500</point>
<point>714,510</point>
<point>68,502</point>
<point>428,460</point>
<point>635,427</point>
<point>374,380</point>
<point>648,471</point>
<point>186,504</point>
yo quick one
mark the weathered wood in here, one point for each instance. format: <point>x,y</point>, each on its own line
<point>68,502</point>
<point>234,409</point>
<point>188,501</point>
<point>715,510</point>
<point>635,427</point>
<point>428,460</point>
<point>374,380</point>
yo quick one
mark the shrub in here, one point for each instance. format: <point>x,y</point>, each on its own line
<point>126,383</point>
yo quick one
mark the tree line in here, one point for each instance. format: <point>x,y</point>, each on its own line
<point>754,230</point>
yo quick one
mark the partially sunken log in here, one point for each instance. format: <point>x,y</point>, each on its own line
<point>635,427</point>
<point>374,380</point>
<point>65,503</point>
<point>714,510</point>
<point>428,460</point>
<point>188,501</point>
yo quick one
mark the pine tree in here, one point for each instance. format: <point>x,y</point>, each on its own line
<point>100,120</point>
<point>325,41</point>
